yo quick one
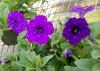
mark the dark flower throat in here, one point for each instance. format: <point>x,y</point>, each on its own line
<point>75,29</point>
<point>40,29</point>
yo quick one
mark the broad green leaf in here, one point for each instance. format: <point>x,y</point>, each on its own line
<point>30,55</point>
<point>70,68</point>
<point>46,59</point>
<point>50,68</point>
<point>96,67</point>
<point>95,27</point>
<point>38,49</point>
<point>37,61</point>
<point>85,64</point>
<point>54,40</point>
<point>95,54</point>
<point>22,54</point>
<point>23,63</point>
<point>65,45</point>
<point>16,67</point>
<point>21,35</point>
<point>4,10</point>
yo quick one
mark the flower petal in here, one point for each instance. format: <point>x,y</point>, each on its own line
<point>66,33</point>
<point>42,39</point>
<point>77,9</point>
<point>74,40</point>
<point>48,28</point>
<point>31,37</point>
<point>85,32</point>
<point>90,8</point>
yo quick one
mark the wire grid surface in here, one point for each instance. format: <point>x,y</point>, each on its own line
<point>56,11</point>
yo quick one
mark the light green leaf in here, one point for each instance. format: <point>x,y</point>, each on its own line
<point>46,59</point>
<point>50,68</point>
<point>22,54</point>
<point>95,27</point>
<point>30,55</point>
<point>21,35</point>
<point>65,45</point>
<point>69,68</point>
<point>24,63</point>
<point>95,54</point>
<point>85,64</point>
<point>96,67</point>
<point>54,40</point>
<point>1,33</point>
<point>30,14</point>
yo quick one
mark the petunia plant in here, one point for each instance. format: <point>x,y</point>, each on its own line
<point>42,47</point>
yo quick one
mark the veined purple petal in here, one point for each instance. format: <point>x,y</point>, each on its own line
<point>90,8</point>
<point>82,10</point>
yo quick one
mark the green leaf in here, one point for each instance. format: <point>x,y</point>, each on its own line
<point>1,33</point>
<point>46,59</point>
<point>70,68</point>
<point>95,54</point>
<point>4,10</point>
<point>54,40</point>
<point>50,68</point>
<point>22,42</point>
<point>21,35</point>
<point>30,14</point>
<point>30,55</point>
<point>85,64</point>
<point>95,27</point>
<point>65,45</point>
<point>22,54</point>
<point>96,67</point>
<point>24,63</point>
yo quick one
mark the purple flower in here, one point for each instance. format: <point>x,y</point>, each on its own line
<point>3,60</point>
<point>17,21</point>
<point>68,53</point>
<point>82,10</point>
<point>75,30</point>
<point>39,30</point>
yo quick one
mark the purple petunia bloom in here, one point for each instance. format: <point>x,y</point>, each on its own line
<point>75,30</point>
<point>39,30</point>
<point>82,10</point>
<point>68,53</point>
<point>3,60</point>
<point>17,21</point>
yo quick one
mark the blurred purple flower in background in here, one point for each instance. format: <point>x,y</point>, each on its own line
<point>75,30</point>
<point>17,21</point>
<point>3,59</point>
<point>82,10</point>
<point>68,53</point>
<point>39,30</point>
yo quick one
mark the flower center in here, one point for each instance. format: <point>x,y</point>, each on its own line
<point>15,22</point>
<point>40,29</point>
<point>75,29</point>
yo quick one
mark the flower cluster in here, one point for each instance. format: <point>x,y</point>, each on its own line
<point>39,28</point>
